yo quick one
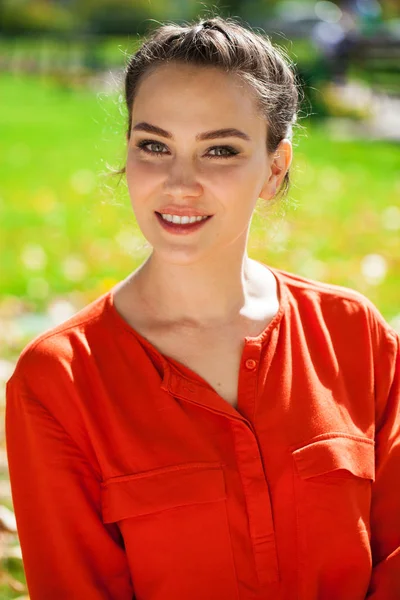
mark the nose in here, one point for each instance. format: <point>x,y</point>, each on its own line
<point>182,179</point>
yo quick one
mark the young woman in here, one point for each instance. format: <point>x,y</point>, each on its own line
<point>211,428</point>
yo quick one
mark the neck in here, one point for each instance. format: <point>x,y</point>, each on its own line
<point>209,293</point>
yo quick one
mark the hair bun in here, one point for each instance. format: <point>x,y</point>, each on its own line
<point>211,25</point>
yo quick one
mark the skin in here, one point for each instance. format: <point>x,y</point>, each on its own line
<point>205,279</point>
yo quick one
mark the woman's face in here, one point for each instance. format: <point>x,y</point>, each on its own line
<point>178,172</point>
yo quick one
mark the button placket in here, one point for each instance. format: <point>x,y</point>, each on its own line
<point>258,503</point>
<point>248,377</point>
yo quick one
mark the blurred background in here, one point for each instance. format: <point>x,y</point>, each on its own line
<point>67,230</point>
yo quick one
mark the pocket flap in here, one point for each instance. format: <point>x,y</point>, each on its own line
<point>356,455</point>
<point>160,489</point>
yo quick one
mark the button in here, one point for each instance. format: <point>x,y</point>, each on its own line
<point>250,364</point>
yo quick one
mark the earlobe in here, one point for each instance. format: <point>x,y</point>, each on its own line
<point>268,191</point>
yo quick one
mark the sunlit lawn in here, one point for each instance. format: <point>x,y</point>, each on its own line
<point>65,235</point>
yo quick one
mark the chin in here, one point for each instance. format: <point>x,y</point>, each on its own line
<point>183,257</point>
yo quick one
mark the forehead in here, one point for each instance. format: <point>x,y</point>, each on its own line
<point>181,89</point>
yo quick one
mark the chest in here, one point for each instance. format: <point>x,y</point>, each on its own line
<point>214,354</point>
<point>217,363</point>
<point>215,358</point>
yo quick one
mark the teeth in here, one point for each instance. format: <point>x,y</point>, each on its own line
<point>182,220</point>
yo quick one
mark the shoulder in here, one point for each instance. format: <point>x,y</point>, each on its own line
<point>54,349</point>
<point>301,286</point>
<point>338,306</point>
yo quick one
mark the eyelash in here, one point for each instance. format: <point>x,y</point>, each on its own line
<point>141,145</point>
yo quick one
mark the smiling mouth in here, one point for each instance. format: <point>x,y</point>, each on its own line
<point>181,224</point>
<point>182,219</point>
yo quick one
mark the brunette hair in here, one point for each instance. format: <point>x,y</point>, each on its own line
<point>225,44</point>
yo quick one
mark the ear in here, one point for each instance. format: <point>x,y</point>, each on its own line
<point>277,169</point>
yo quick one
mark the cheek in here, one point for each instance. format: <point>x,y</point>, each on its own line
<point>138,169</point>
<point>141,178</point>
<point>237,185</point>
<point>228,178</point>
<point>242,174</point>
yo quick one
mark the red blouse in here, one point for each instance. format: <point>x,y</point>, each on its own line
<point>132,478</point>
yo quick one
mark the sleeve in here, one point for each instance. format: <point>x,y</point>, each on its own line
<point>385,504</point>
<point>67,551</point>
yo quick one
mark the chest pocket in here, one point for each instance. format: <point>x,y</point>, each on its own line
<point>176,531</point>
<point>341,456</point>
<point>332,484</point>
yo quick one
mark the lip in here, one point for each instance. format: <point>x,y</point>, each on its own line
<point>178,229</point>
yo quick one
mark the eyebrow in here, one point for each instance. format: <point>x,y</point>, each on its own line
<point>207,135</point>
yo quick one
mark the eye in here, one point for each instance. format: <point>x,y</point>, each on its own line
<point>142,146</point>
<point>230,151</point>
